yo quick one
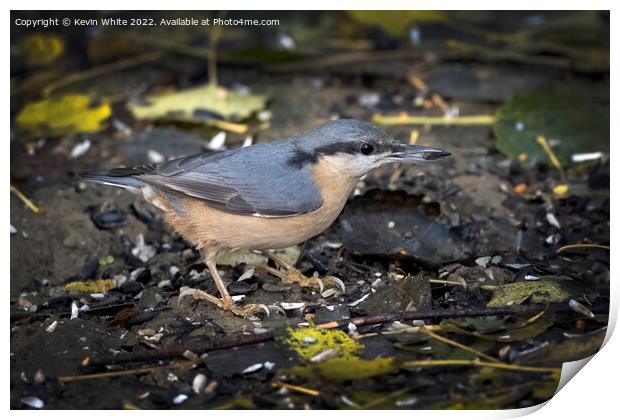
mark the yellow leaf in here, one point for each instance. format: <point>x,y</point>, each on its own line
<point>397,22</point>
<point>95,286</point>
<point>67,114</point>
<point>198,105</point>
<point>560,190</point>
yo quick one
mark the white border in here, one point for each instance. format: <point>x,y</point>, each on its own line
<point>592,394</point>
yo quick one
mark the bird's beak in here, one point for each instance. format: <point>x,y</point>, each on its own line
<point>418,154</point>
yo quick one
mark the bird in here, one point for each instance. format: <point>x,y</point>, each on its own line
<point>264,197</point>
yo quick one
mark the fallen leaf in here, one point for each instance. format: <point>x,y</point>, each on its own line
<point>551,289</point>
<point>68,114</point>
<point>41,49</point>
<point>198,105</point>
<point>95,286</point>
<point>572,122</point>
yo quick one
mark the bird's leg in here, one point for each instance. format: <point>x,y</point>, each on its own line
<point>289,274</point>
<point>226,302</point>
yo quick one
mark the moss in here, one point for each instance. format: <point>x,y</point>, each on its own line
<point>309,341</point>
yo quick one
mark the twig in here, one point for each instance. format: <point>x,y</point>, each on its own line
<point>405,119</point>
<point>296,388</point>
<point>179,365</point>
<point>576,246</point>
<point>552,157</point>
<point>496,54</point>
<point>459,345</point>
<point>439,313</point>
<point>101,70</point>
<point>228,126</point>
<point>26,201</point>
<point>498,365</point>
<point>346,58</point>
<point>456,283</point>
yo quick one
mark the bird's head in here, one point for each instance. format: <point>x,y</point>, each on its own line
<point>356,148</point>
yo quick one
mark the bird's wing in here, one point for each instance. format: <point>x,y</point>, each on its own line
<point>238,182</point>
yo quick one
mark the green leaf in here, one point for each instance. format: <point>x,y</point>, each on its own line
<point>551,289</point>
<point>572,123</point>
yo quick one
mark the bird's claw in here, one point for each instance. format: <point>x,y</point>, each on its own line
<point>277,309</point>
<point>293,275</point>
<point>250,309</point>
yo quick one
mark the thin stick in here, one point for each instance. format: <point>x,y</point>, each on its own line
<point>346,58</point>
<point>405,119</point>
<point>178,365</point>
<point>26,201</point>
<point>552,157</point>
<point>495,54</point>
<point>478,363</point>
<point>228,126</point>
<point>411,330</point>
<point>296,388</point>
<point>459,345</point>
<point>456,283</point>
<point>576,246</point>
<point>101,70</point>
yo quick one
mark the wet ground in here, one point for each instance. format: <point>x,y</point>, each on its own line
<point>429,256</point>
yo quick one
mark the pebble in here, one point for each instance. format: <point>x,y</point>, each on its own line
<point>180,399</point>
<point>217,142</point>
<point>252,368</point>
<point>199,383</point>
<point>32,402</point>
<point>164,283</point>
<point>80,149</point>
<point>13,230</point>
<point>288,306</point>
<point>553,221</point>
<point>74,310</point>
<point>369,100</point>
<point>275,287</point>
<point>39,377</point>
<point>109,219</point>
<point>483,261</point>
<point>324,355</point>
<point>52,327</point>
<point>131,287</point>
<point>241,288</point>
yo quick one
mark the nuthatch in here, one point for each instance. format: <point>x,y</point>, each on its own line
<point>265,196</point>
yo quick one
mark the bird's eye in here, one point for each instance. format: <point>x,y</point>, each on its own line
<point>366,149</point>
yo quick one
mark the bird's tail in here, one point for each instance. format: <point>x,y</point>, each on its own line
<point>114,177</point>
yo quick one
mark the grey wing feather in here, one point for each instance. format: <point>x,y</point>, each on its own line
<point>252,181</point>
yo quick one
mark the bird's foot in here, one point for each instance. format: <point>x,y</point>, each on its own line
<point>226,304</point>
<point>291,275</point>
